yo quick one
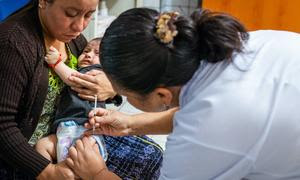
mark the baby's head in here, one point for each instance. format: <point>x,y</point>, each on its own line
<point>90,54</point>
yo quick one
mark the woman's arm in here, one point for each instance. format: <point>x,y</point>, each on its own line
<point>14,78</point>
<point>152,123</point>
<point>115,123</point>
<point>15,150</point>
<point>54,60</point>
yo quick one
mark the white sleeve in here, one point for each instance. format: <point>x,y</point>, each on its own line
<point>186,160</point>
<point>210,142</point>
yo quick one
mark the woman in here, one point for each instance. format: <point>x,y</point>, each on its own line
<point>238,95</point>
<point>29,88</point>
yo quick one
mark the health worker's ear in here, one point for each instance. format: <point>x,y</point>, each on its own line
<point>164,95</point>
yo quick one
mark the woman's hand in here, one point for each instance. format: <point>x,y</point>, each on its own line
<point>85,159</point>
<point>58,171</point>
<point>108,122</point>
<point>92,83</point>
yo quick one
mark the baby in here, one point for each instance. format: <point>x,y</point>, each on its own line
<point>72,111</point>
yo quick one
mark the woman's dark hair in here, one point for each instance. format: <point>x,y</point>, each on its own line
<point>219,35</point>
<point>134,58</point>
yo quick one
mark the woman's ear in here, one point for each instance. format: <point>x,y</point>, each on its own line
<point>165,95</point>
<point>42,4</point>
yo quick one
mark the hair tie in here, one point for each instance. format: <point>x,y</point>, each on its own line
<point>165,28</point>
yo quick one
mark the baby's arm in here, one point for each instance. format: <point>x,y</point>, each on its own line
<point>53,58</point>
<point>47,147</point>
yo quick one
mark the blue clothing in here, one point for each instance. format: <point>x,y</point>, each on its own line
<point>7,7</point>
<point>240,119</point>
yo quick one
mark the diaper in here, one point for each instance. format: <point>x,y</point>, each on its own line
<point>67,133</point>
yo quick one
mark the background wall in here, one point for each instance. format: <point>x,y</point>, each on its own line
<point>261,14</point>
<point>183,6</point>
<point>115,7</point>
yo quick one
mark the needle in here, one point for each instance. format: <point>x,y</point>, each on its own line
<point>95,106</point>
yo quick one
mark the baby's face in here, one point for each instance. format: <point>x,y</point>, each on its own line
<point>90,55</point>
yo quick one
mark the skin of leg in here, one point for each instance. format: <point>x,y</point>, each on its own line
<point>46,146</point>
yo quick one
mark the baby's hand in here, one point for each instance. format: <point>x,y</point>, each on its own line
<point>52,55</point>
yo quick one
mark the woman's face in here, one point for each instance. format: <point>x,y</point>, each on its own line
<point>64,20</point>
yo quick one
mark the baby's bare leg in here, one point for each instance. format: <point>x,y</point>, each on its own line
<point>47,147</point>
